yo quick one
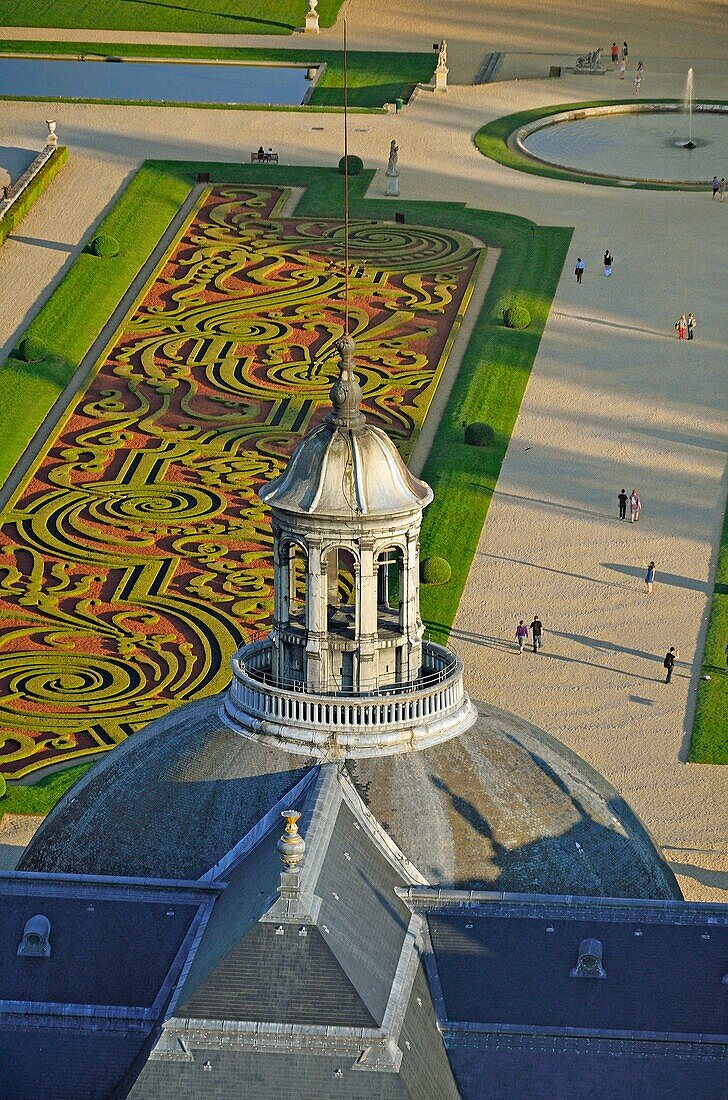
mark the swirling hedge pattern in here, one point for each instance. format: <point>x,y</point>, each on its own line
<point>135,558</point>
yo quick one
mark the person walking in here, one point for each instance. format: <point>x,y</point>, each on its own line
<point>608,261</point>
<point>714,186</point>
<point>622,69</point>
<point>640,68</point>
<point>650,577</point>
<point>625,51</point>
<point>521,635</point>
<point>579,269</point>
<point>635,506</point>
<point>536,633</point>
<point>682,326</point>
<point>615,53</point>
<point>637,84</point>
<point>670,657</point>
<point>622,498</point>
<point>691,323</point>
<point>721,189</point>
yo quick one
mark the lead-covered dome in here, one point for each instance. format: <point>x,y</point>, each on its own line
<point>346,467</point>
<point>502,807</point>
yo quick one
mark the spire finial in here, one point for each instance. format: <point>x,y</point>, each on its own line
<point>291,846</point>
<point>346,395</point>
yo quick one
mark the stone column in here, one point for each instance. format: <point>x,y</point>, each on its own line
<point>411,622</point>
<point>279,604</point>
<point>316,604</point>
<point>367,601</point>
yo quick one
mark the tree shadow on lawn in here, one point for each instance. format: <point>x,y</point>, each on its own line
<point>221,14</point>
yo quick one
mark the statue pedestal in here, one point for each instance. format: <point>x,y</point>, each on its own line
<point>392,186</point>
<point>312,22</point>
<point>441,79</point>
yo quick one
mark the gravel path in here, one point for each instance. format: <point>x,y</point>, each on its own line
<point>614,401</point>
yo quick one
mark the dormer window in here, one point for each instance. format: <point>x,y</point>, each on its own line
<point>36,941</point>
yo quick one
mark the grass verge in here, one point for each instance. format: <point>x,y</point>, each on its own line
<point>204,17</point>
<point>492,141</point>
<point>375,77</point>
<point>490,383</point>
<point>709,740</point>
<point>43,795</point>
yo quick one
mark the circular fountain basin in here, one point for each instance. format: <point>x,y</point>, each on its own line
<point>632,142</point>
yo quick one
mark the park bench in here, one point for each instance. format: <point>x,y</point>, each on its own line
<point>270,158</point>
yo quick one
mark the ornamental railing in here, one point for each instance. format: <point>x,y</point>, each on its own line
<point>432,706</point>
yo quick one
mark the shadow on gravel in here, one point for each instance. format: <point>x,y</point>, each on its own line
<point>675,579</point>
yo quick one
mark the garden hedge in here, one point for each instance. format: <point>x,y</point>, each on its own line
<point>516,317</point>
<point>355,165</point>
<point>32,192</point>
<point>435,571</point>
<point>33,350</point>
<point>104,245</point>
<point>479,435</point>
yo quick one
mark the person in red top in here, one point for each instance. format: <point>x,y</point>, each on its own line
<point>615,53</point>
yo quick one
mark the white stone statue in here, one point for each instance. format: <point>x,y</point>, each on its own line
<point>312,18</point>
<point>52,139</point>
<point>392,173</point>
<point>441,69</point>
<point>442,56</point>
<point>392,169</point>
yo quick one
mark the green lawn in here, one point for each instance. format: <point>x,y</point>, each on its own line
<point>43,795</point>
<point>200,17</point>
<point>709,742</point>
<point>489,387</point>
<point>492,140</point>
<point>375,77</point>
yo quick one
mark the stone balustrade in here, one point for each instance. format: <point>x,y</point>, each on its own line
<point>426,711</point>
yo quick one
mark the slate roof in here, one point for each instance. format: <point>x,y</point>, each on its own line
<point>51,1065</point>
<point>661,977</point>
<point>509,1011</point>
<point>490,1068</point>
<point>255,1075</point>
<point>80,1022</point>
<point>168,802</point>
<point>104,951</point>
<point>330,983</point>
<point>507,807</point>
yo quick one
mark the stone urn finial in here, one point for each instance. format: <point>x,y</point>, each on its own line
<point>291,846</point>
<point>346,394</point>
<point>312,17</point>
<point>52,139</point>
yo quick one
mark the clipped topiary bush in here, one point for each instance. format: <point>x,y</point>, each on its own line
<point>104,245</point>
<point>435,571</point>
<point>516,317</point>
<point>479,435</point>
<point>33,350</point>
<point>351,166</point>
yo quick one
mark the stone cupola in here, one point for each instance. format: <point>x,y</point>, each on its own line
<point>346,523</point>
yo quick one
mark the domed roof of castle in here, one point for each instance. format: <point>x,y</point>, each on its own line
<point>345,466</point>
<point>501,807</point>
